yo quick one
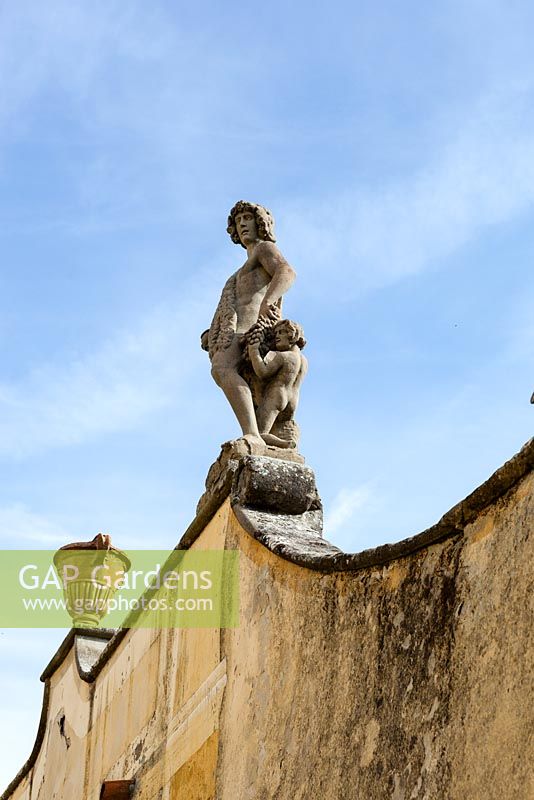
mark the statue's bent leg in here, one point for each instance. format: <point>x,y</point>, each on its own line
<point>273,403</point>
<point>237,391</point>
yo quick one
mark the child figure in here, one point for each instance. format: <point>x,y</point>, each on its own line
<point>282,370</point>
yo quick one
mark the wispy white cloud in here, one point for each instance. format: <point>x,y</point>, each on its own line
<point>124,68</point>
<point>69,45</point>
<point>366,237</point>
<point>145,112</point>
<point>134,374</point>
<point>344,505</point>
<point>376,236</point>
<point>19,527</point>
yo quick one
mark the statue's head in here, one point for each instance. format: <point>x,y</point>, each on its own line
<point>250,221</point>
<point>287,334</point>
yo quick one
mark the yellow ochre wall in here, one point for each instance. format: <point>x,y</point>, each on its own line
<point>413,680</point>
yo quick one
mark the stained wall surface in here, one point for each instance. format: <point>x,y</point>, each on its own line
<point>414,680</point>
<point>410,680</point>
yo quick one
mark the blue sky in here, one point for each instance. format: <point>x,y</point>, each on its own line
<point>394,144</point>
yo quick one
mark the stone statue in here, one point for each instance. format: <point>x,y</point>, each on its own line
<point>244,324</point>
<point>283,368</point>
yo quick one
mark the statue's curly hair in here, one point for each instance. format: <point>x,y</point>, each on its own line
<point>264,221</point>
<point>296,332</point>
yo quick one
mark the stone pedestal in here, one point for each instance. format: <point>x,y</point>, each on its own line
<point>222,473</point>
<point>272,491</point>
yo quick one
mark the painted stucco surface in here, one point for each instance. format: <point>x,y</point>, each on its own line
<point>412,680</point>
<point>151,713</point>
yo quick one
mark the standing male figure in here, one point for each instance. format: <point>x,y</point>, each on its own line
<point>251,296</point>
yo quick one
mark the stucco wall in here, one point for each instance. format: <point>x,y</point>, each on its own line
<point>414,680</point>
<point>411,680</point>
<point>151,713</point>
